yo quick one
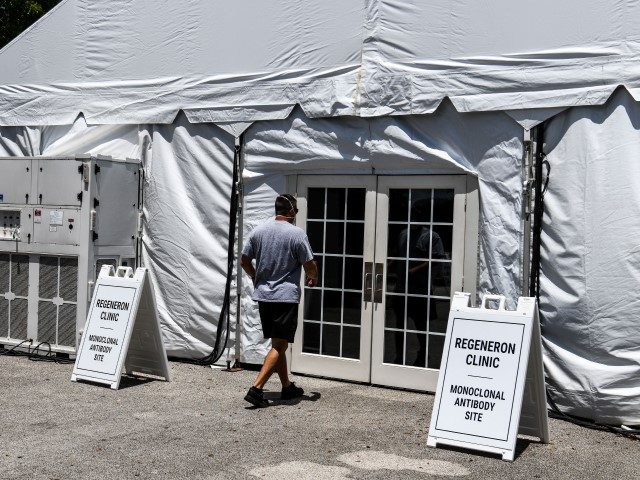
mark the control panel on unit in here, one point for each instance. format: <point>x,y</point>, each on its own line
<point>10,225</point>
<point>56,226</point>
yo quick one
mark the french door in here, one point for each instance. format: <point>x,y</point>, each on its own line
<point>390,252</point>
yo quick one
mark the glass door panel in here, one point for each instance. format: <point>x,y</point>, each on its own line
<point>420,225</point>
<point>334,330</point>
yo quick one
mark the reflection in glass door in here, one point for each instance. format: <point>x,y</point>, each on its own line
<point>421,239</point>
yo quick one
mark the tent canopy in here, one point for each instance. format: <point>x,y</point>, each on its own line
<point>121,61</point>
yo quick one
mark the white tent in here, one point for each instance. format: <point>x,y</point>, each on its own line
<point>368,87</point>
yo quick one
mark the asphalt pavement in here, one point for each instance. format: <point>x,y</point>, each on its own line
<point>198,426</point>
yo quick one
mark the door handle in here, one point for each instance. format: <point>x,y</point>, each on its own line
<point>377,296</point>
<point>368,281</point>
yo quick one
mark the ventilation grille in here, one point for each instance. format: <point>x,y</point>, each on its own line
<point>56,303</point>
<point>14,280</point>
<point>20,275</point>
<point>58,294</point>
<point>18,321</point>
<point>4,317</point>
<point>47,319</point>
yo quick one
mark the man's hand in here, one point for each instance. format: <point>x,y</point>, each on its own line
<point>311,271</point>
<point>247,266</point>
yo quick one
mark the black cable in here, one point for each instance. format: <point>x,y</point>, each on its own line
<point>13,350</point>
<point>33,353</point>
<point>538,210</point>
<point>224,325</point>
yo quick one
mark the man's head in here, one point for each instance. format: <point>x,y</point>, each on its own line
<point>286,205</point>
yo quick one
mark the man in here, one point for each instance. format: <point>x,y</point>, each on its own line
<point>279,249</point>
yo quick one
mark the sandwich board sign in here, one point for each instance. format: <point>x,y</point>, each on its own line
<point>491,382</point>
<point>122,330</point>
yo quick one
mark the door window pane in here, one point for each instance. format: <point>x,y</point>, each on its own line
<point>330,340</point>
<point>353,273</point>
<point>335,237</point>
<point>331,307</point>
<point>352,308</point>
<point>312,303</point>
<point>350,342</point>
<point>420,241</point>
<point>420,205</point>
<point>315,232</point>
<point>396,276</point>
<point>355,238</point>
<point>333,272</point>
<point>315,203</point>
<point>416,349</point>
<point>336,203</point>
<point>355,203</point>
<point>417,311</point>
<point>418,278</point>
<point>393,347</point>
<point>441,279</point>
<point>394,311</point>
<point>439,315</point>
<point>443,205</point>
<point>311,337</point>
<point>320,265</point>
<point>397,240</point>
<point>441,243</point>
<point>398,205</point>
<point>436,345</point>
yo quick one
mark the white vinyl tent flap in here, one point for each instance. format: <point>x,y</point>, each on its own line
<point>590,272</point>
<point>123,62</point>
<point>187,196</point>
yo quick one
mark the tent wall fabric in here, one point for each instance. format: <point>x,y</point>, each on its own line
<point>187,196</point>
<point>108,59</point>
<point>590,267</point>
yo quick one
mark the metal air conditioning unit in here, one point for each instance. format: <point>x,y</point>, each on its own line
<point>61,219</point>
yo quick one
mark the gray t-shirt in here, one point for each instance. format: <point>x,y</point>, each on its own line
<point>279,249</point>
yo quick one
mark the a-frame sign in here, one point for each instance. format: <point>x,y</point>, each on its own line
<point>491,382</point>
<point>122,330</point>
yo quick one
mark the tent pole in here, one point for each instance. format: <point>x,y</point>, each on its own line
<point>527,197</point>
<point>240,190</point>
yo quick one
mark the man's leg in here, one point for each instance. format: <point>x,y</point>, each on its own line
<point>272,362</point>
<point>283,372</point>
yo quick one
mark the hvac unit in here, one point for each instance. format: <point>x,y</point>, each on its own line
<point>61,219</point>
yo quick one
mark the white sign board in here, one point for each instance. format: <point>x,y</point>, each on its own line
<point>122,330</point>
<point>490,356</point>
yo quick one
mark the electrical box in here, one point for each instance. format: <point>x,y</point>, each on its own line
<point>61,219</point>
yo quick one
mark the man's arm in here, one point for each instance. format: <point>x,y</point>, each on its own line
<point>311,271</point>
<point>247,266</point>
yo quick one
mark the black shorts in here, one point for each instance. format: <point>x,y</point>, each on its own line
<point>279,320</point>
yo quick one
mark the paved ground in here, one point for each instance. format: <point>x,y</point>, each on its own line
<point>197,426</point>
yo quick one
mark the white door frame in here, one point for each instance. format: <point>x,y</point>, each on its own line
<point>417,378</point>
<point>370,367</point>
<point>323,365</point>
